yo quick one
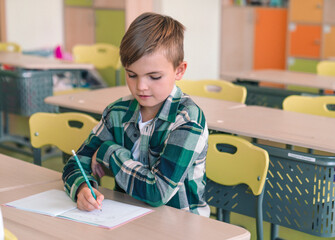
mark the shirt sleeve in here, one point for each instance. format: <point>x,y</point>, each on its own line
<point>72,176</point>
<point>158,184</point>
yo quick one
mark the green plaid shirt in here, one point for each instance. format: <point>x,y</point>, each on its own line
<point>171,166</point>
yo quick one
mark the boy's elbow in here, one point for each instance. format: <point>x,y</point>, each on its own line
<point>156,204</point>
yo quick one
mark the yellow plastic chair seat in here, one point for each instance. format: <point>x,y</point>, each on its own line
<point>218,89</point>
<point>67,131</point>
<point>248,165</point>
<point>101,55</point>
<point>310,105</point>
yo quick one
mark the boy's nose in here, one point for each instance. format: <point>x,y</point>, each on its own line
<point>142,84</point>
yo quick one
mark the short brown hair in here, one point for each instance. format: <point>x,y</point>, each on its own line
<point>149,32</point>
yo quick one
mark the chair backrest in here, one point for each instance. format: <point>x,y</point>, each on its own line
<point>218,89</point>
<point>310,105</point>
<point>9,47</point>
<point>101,55</point>
<point>66,131</point>
<point>244,164</point>
<point>326,68</point>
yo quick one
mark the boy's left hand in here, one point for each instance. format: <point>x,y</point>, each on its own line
<point>96,167</point>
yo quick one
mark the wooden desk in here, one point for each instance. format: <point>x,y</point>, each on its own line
<point>15,173</point>
<point>164,223</point>
<point>270,96</point>
<point>283,77</point>
<point>252,121</point>
<point>95,101</point>
<point>20,60</point>
<point>277,125</point>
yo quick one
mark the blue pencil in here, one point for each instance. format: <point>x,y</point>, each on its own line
<point>84,174</point>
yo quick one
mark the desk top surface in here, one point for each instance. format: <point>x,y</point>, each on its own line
<point>277,125</point>
<point>35,62</point>
<point>96,101</point>
<point>163,223</point>
<point>259,122</point>
<point>15,173</point>
<point>283,77</point>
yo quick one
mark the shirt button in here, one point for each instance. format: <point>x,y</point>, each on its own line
<point>135,135</point>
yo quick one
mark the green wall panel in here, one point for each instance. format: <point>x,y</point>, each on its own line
<point>303,65</point>
<point>81,3</point>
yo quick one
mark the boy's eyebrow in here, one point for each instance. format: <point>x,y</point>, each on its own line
<point>146,73</point>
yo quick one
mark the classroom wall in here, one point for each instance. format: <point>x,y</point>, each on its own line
<point>202,21</point>
<point>35,24</point>
<point>39,24</point>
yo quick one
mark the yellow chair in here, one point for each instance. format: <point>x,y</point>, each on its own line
<point>66,131</point>
<point>234,166</point>
<point>217,89</point>
<point>101,55</point>
<point>310,105</point>
<point>9,47</point>
<point>326,68</point>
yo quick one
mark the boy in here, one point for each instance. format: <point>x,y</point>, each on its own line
<point>154,141</point>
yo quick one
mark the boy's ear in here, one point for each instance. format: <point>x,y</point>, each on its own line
<point>180,70</point>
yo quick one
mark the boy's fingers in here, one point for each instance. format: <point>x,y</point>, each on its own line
<point>90,200</point>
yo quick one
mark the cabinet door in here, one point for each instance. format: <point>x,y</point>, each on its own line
<point>329,41</point>
<point>270,38</point>
<point>305,40</point>
<point>309,11</point>
<point>79,27</point>
<point>237,35</point>
<point>109,26</point>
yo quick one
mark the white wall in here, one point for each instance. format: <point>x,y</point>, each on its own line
<point>35,24</point>
<point>202,21</point>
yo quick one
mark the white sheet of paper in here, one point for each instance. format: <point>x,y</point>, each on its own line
<point>58,204</point>
<point>52,202</point>
<point>113,214</point>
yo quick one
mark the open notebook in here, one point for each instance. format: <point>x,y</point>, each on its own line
<point>56,203</point>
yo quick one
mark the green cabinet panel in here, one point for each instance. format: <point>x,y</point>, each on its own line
<point>302,65</point>
<point>110,28</point>
<point>80,3</point>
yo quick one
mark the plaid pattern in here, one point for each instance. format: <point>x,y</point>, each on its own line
<point>173,148</point>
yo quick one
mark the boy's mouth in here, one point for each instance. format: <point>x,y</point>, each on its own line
<point>144,96</point>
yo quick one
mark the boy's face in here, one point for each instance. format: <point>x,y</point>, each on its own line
<point>151,80</point>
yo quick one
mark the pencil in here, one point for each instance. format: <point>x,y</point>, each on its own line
<point>84,174</point>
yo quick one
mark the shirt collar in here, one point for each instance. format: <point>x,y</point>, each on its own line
<point>168,111</point>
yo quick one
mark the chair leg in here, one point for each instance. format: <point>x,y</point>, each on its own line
<point>274,231</point>
<point>37,156</point>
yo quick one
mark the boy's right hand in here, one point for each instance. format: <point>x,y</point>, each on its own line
<point>85,199</point>
<point>96,167</point>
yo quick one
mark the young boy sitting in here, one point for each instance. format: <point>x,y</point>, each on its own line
<point>154,141</point>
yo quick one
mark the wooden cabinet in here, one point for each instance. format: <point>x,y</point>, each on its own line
<point>79,26</point>
<point>311,33</point>
<point>252,38</point>
<point>84,23</point>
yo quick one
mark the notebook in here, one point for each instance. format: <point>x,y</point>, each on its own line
<point>57,203</point>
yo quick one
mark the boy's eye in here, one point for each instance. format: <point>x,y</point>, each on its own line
<point>131,76</point>
<point>155,77</point>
